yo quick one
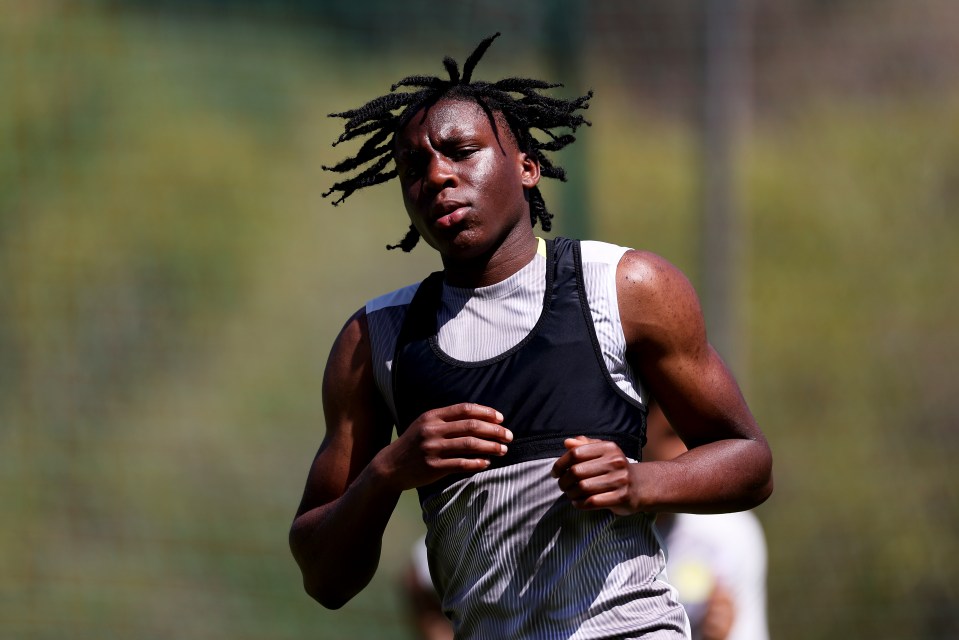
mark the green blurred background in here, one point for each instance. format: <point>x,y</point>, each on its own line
<point>172,281</point>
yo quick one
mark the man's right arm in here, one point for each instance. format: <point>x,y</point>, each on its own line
<point>358,475</point>
<point>337,532</point>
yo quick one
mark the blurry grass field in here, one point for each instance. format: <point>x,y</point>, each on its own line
<point>174,281</point>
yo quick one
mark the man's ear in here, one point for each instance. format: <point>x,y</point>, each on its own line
<point>530,167</point>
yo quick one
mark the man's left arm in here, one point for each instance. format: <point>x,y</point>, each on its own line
<point>728,466</point>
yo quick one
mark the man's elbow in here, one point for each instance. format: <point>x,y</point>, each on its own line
<point>314,586</point>
<point>328,598</point>
<point>762,493</point>
<point>763,488</point>
<point>330,592</point>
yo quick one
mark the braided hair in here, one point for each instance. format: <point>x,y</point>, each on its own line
<point>518,100</point>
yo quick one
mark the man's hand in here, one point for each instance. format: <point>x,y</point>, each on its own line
<point>457,439</point>
<point>596,474</point>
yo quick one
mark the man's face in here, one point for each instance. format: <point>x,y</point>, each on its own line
<point>464,189</point>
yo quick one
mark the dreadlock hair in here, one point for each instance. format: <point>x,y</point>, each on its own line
<point>518,100</point>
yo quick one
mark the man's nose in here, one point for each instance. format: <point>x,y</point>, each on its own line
<point>440,173</point>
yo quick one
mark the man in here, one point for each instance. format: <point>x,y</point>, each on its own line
<point>518,379</point>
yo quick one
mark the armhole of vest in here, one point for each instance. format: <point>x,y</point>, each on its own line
<point>597,349</point>
<point>420,297</point>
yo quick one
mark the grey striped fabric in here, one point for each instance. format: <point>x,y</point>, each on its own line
<point>512,558</point>
<point>509,555</point>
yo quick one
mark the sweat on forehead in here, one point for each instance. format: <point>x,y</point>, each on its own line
<point>456,116</point>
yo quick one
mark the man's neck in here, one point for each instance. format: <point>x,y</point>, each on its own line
<point>508,258</point>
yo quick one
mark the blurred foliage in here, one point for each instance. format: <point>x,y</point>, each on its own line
<point>173,281</point>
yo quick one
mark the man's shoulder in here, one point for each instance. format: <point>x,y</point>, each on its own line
<point>645,273</point>
<point>384,318</point>
<point>638,273</point>
<point>599,252</point>
<point>395,299</point>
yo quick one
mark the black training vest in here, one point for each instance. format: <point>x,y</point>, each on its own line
<point>553,385</point>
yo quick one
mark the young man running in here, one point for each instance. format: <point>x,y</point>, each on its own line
<point>518,379</point>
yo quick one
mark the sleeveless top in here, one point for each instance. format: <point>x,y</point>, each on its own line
<point>509,555</point>
<point>551,386</point>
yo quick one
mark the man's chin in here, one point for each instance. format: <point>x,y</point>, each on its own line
<point>461,245</point>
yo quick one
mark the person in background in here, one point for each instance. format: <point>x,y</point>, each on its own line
<point>716,561</point>
<point>420,599</point>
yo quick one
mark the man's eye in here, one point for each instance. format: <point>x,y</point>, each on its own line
<point>411,171</point>
<point>462,154</point>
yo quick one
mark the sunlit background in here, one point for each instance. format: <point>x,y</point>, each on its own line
<point>171,281</point>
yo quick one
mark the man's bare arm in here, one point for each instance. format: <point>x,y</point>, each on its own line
<point>729,465</point>
<point>358,475</point>
<point>337,533</point>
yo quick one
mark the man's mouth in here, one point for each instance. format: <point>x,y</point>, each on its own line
<point>450,214</point>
